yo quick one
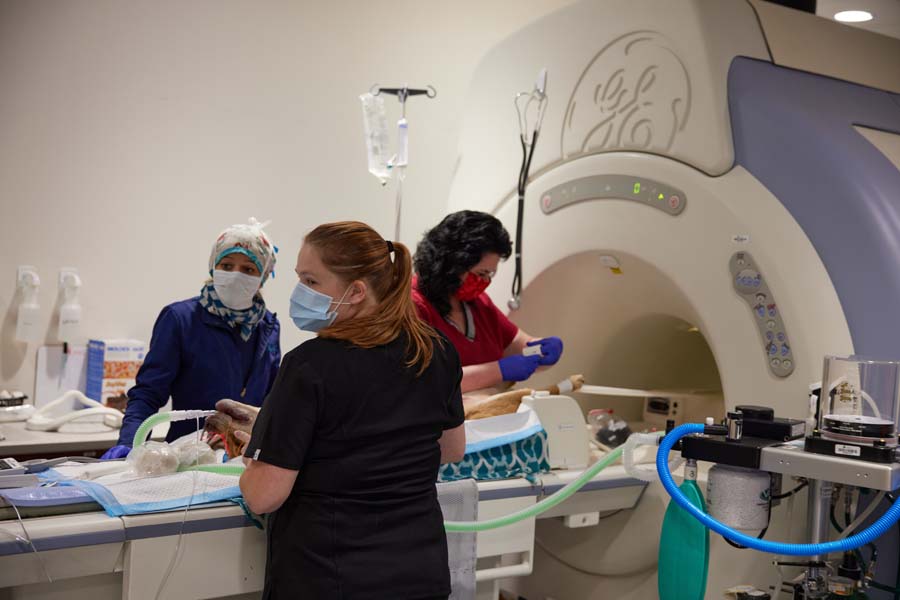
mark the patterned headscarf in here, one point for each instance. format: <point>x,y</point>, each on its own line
<point>246,320</point>
<point>249,240</point>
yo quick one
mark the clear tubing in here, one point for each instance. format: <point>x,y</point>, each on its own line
<point>152,421</point>
<point>143,432</point>
<point>178,547</point>
<point>874,531</point>
<point>542,506</point>
<point>875,503</point>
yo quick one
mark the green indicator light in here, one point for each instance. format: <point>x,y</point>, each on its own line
<point>661,197</point>
<point>637,188</point>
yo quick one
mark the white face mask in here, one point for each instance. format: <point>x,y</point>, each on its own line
<point>235,290</point>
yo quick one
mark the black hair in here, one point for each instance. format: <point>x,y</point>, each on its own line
<point>451,248</point>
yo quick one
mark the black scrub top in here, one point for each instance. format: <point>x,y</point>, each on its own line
<point>362,520</point>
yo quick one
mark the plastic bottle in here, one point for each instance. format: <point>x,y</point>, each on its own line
<point>608,429</point>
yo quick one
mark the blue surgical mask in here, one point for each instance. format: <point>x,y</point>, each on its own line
<point>309,308</point>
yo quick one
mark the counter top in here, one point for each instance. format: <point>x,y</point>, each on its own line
<point>73,439</point>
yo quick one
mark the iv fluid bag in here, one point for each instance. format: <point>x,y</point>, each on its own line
<point>375,125</point>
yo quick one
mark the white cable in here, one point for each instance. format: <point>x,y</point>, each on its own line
<point>871,403</point>
<point>776,589</point>
<point>399,203</point>
<point>30,543</point>
<point>14,536</point>
<point>178,545</point>
<point>184,415</point>
<point>853,499</point>
<point>869,400</point>
<point>862,516</point>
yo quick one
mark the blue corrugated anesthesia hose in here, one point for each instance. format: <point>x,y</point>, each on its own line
<point>873,532</point>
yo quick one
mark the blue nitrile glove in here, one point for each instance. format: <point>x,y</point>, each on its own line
<point>551,349</point>
<point>116,452</point>
<point>518,367</point>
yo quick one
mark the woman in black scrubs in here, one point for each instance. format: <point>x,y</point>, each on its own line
<point>346,448</point>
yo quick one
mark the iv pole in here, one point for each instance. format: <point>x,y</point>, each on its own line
<point>401,159</point>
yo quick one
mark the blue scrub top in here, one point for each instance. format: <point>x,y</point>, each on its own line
<point>198,359</point>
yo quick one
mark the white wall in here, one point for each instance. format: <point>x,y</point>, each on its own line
<point>132,132</point>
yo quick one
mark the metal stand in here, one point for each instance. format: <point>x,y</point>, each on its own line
<point>402,93</point>
<point>816,581</point>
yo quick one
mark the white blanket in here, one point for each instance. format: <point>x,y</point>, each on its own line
<point>482,434</point>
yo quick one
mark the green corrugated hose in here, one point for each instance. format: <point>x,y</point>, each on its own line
<point>454,526</point>
<point>542,506</point>
<point>143,432</point>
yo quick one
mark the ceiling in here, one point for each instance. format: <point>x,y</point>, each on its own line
<point>886,13</point>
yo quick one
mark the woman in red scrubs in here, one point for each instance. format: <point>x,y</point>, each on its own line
<point>455,262</point>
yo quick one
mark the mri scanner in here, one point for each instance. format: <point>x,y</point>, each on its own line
<point>737,164</point>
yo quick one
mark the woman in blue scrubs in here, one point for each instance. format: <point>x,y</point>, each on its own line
<point>223,343</point>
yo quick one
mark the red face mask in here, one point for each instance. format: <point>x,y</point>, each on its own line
<point>472,287</point>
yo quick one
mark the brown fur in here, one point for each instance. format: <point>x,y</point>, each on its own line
<point>505,403</point>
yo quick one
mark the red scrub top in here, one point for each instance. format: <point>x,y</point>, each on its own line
<point>493,331</point>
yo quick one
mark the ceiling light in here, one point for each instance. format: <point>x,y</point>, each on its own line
<point>853,16</point>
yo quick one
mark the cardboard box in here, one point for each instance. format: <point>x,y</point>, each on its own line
<point>112,366</point>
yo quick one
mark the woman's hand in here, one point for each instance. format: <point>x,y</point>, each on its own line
<point>233,418</point>
<point>518,367</point>
<point>551,349</point>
